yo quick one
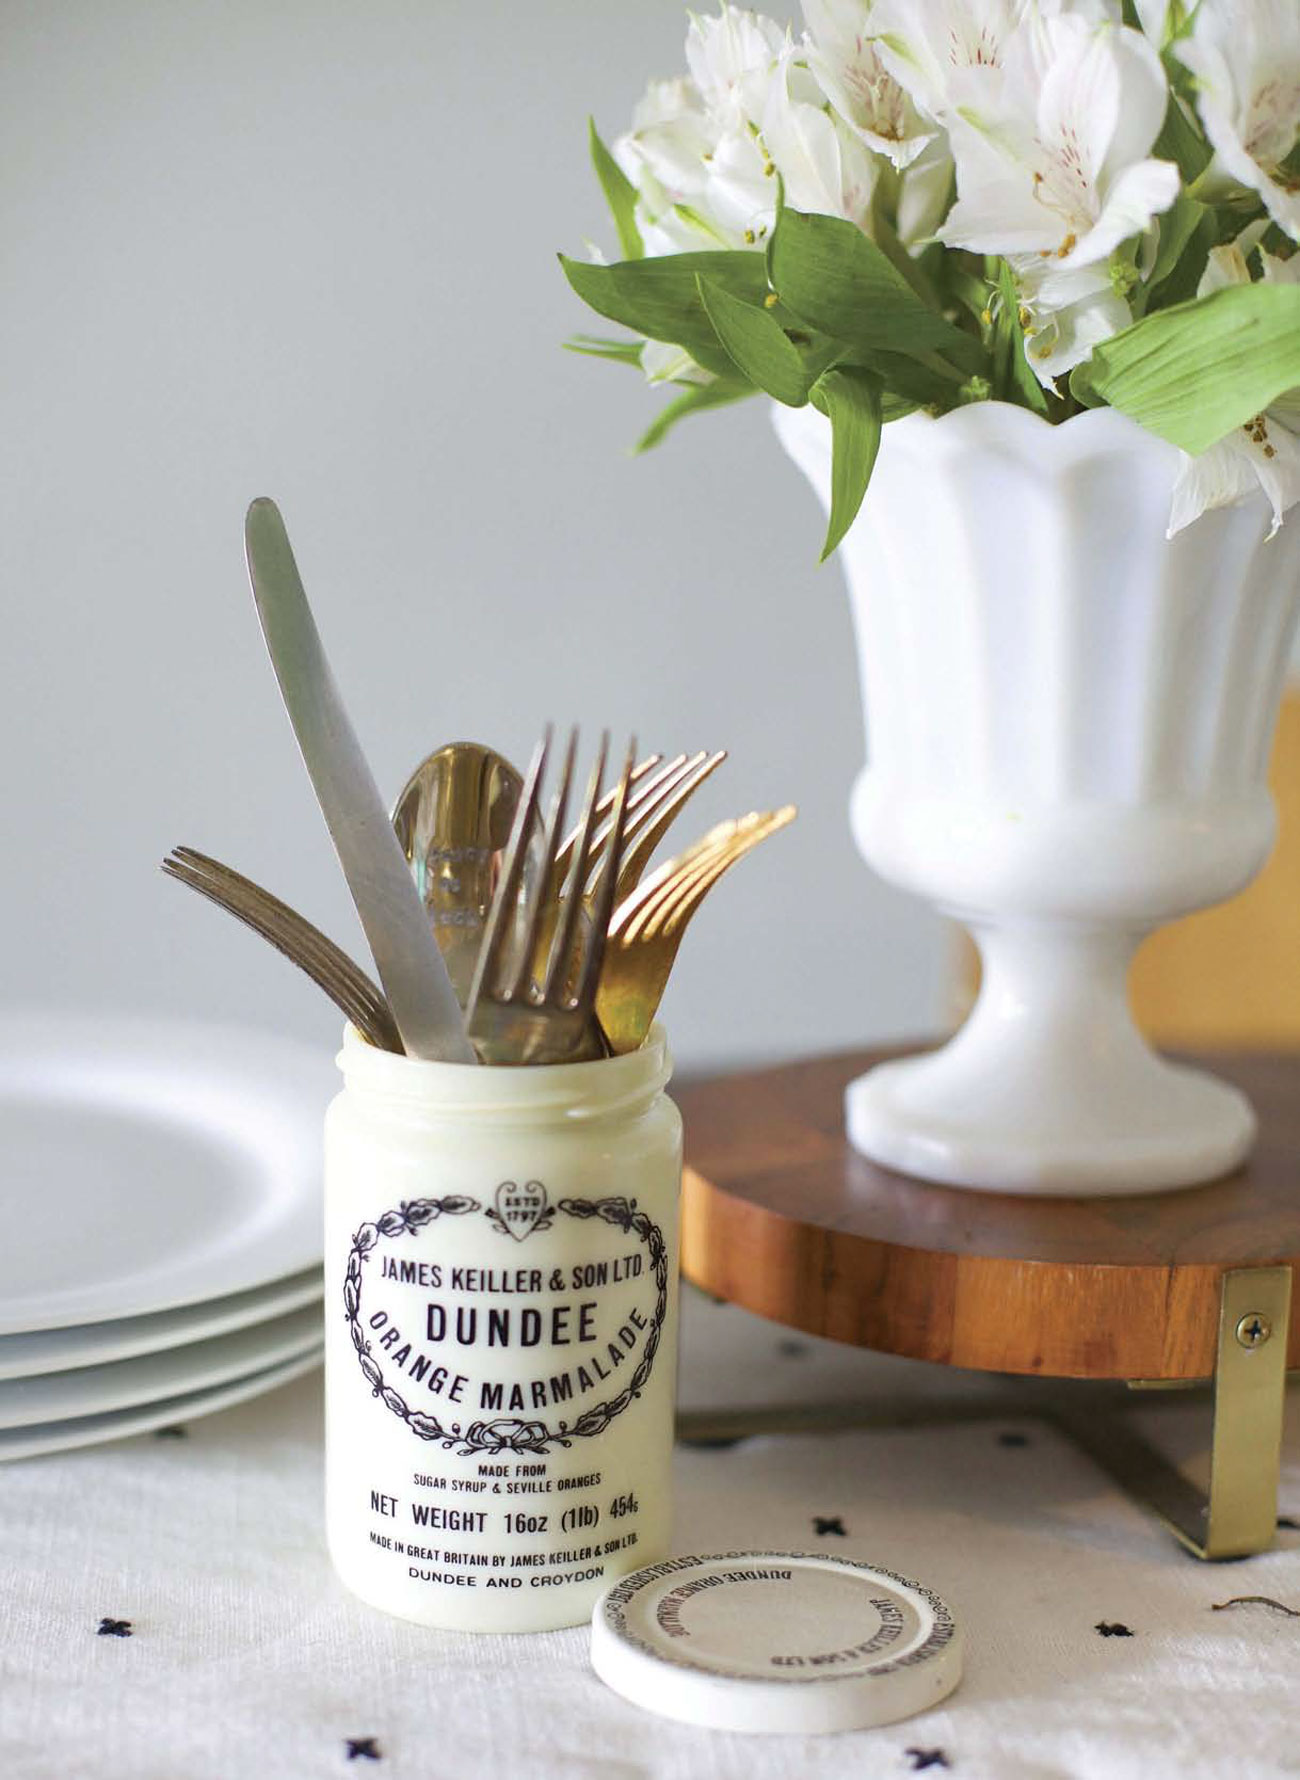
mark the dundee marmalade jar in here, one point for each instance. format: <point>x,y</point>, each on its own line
<point>501,1318</point>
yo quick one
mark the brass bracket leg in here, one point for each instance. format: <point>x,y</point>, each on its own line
<point>1239,1515</point>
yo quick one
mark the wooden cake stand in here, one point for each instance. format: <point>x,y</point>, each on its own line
<point>782,1217</point>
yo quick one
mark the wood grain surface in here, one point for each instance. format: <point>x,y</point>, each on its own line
<point>781,1216</point>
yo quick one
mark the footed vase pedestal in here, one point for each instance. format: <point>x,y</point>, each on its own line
<point>1069,718</point>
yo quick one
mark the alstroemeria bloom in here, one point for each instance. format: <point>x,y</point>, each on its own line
<point>1245,55</point>
<point>848,67</point>
<point>1060,168</point>
<point>946,54</point>
<point>825,167</point>
<point>699,184</point>
<point>732,59</point>
<point>1265,454</point>
<point>1065,313</point>
<point>1054,173</point>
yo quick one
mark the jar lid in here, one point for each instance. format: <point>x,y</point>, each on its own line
<point>775,1641</point>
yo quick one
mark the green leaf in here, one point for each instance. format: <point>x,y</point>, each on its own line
<point>693,400</point>
<point>1188,230</point>
<point>1195,372</point>
<point>626,352</point>
<point>895,407</point>
<point>758,344</point>
<point>911,379</point>
<point>833,278</point>
<point>851,400</point>
<point>1013,377</point>
<point>659,297</point>
<point>620,195</point>
<point>1180,140</point>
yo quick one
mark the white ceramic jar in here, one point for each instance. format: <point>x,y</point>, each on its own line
<point>501,1333</point>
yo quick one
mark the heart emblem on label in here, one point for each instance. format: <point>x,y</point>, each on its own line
<point>522,1209</point>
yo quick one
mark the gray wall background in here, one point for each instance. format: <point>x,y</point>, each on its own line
<point>308,250</point>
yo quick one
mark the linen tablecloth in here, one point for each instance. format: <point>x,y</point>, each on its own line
<point>169,1612</point>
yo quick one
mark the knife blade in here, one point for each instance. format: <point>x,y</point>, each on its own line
<point>405,951</point>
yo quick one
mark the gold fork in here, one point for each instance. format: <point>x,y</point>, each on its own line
<point>647,927</point>
<point>533,996</point>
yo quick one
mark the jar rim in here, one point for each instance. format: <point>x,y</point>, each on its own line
<point>574,1090</point>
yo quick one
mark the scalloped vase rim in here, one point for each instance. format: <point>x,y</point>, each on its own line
<point>1048,444</point>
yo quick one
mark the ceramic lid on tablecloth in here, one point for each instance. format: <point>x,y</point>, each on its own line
<point>775,1641</point>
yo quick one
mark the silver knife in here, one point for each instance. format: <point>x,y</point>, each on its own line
<point>406,953</point>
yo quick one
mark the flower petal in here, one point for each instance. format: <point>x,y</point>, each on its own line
<point>825,168</point>
<point>1236,468</point>
<point>1140,193</point>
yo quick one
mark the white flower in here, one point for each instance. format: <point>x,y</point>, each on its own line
<point>1245,55</point>
<point>663,362</point>
<point>1060,168</point>
<point>944,52</point>
<point>949,55</point>
<point>1153,16</point>
<point>732,59</point>
<point>826,168</point>
<point>1065,314</point>
<point>1053,172</point>
<point>700,183</point>
<point>1264,454</point>
<point>848,66</point>
<point>924,190</point>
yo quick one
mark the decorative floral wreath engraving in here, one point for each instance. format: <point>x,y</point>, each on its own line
<point>505,1433</point>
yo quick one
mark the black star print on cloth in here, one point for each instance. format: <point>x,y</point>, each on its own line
<point>926,1758</point>
<point>1010,1439</point>
<point>1109,1630</point>
<point>114,1628</point>
<point>823,1525</point>
<point>364,1746</point>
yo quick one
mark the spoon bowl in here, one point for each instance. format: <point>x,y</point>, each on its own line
<point>453,819</point>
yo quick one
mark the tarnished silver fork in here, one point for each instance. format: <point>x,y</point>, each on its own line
<point>533,998</point>
<point>328,966</point>
<point>656,800</point>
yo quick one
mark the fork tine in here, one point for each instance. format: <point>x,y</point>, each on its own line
<point>538,899</point>
<point>641,806</point>
<point>603,905</point>
<point>677,907</point>
<point>258,908</point>
<point>294,938</point>
<point>344,983</point>
<point>640,846</point>
<point>644,798</point>
<point>566,933</point>
<point>646,780</point>
<point>500,921</point>
<point>629,908</point>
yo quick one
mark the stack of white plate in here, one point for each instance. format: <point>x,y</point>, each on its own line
<point>160,1203</point>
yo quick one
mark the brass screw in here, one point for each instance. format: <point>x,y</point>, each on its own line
<point>1253,1330</point>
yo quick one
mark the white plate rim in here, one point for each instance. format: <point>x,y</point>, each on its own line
<point>292,1077</point>
<point>44,1351</point>
<point>122,1384</point>
<point>49,1438</point>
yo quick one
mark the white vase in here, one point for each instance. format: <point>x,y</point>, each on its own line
<point>1069,720</point>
